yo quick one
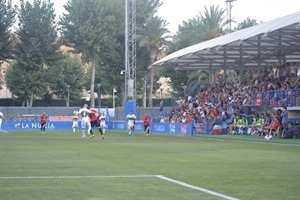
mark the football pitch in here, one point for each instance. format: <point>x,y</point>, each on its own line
<point>62,165</point>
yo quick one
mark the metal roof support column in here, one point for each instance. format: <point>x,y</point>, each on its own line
<point>279,56</point>
<point>210,72</point>
<point>225,74</point>
<point>259,51</point>
<point>241,74</point>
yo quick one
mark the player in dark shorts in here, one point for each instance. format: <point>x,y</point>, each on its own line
<point>95,121</point>
<point>146,121</point>
<point>43,121</point>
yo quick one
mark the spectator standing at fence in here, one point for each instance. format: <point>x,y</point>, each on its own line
<point>147,120</point>
<point>130,122</point>
<point>75,121</point>
<point>284,119</point>
<point>85,120</point>
<point>43,121</point>
<point>161,106</point>
<point>1,119</point>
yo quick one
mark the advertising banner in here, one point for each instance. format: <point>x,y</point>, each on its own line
<point>157,128</point>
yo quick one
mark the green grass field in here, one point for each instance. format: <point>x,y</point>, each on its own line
<point>61,165</point>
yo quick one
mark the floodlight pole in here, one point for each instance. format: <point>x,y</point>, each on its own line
<point>130,50</point>
<point>229,5</point>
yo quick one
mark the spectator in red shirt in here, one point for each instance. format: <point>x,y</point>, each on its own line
<point>272,127</point>
<point>43,121</point>
<point>188,118</point>
<point>214,112</point>
<point>147,120</point>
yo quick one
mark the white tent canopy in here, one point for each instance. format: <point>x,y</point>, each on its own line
<point>266,44</point>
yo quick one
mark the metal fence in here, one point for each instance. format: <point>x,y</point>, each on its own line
<point>33,113</point>
<point>277,98</point>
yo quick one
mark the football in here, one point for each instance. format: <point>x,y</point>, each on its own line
<point>75,112</point>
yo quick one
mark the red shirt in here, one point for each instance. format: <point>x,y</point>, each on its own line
<point>43,118</point>
<point>214,112</point>
<point>146,120</point>
<point>275,125</point>
<point>188,118</point>
<point>93,116</point>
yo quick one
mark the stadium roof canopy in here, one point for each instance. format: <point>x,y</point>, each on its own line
<point>266,44</point>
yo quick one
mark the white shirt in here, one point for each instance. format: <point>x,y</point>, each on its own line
<point>130,118</point>
<point>75,118</point>
<point>84,114</point>
<point>1,116</point>
<point>103,118</point>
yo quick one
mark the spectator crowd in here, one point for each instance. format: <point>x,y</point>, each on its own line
<point>275,87</point>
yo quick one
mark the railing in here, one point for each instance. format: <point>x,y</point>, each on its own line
<point>277,98</point>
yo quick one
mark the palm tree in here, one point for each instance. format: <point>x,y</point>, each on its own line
<point>154,38</point>
<point>213,22</point>
<point>196,79</point>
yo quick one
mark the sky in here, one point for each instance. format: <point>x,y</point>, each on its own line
<point>176,11</point>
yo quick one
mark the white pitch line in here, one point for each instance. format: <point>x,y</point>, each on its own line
<point>3,131</point>
<point>126,176</point>
<point>196,188</point>
<point>263,142</point>
<point>75,177</point>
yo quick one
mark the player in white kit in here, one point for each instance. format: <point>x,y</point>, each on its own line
<point>75,121</point>
<point>130,122</point>
<point>85,120</point>
<point>1,119</point>
<point>103,122</point>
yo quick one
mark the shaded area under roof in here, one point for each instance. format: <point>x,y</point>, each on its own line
<point>266,44</point>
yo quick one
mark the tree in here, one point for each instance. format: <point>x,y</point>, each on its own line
<point>213,22</point>
<point>246,23</point>
<point>65,78</point>
<point>7,19</point>
<point>203,27</point>
<point>189,33</point>
<point>36,51</point>
<point>18,81</point>
<point>153,37</point>
<point>196,80</point>
<point>90,28</point>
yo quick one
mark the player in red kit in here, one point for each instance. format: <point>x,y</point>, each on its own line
<point>95,121</point>
<point>43,121</point>
<point>147,120</point>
